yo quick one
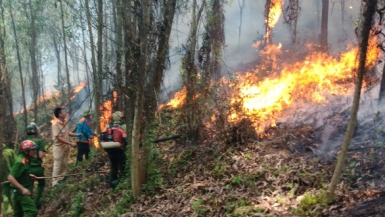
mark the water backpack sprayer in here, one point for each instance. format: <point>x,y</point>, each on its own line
<point>114,137</point>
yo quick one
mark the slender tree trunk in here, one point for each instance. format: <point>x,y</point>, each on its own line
<point>35,78</point>
<point>65,53</point>
<point>324,26</point>
<point>119,74</point>
<point>19,65</point>
<point>100,47</point>
<point>241,5</point>
<point>85,50</point>
<point>97,86</point>
<point>2,110</point>
<point>57,52</point>
<point>268,39</point>
<point>368,18</point>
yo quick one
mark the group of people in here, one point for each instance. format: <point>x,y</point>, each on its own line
<point>23,169</point>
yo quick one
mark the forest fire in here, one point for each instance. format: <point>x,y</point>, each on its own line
<point>308,81</point>
<point>264,100</point>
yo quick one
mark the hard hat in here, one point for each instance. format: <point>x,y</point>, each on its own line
<point>119,113</point>
<point>115,117</point>
<point>87,112</point>
<point>27,145</point>
<point>32,129</point>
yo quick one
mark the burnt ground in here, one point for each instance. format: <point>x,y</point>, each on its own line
<point>365,168</point>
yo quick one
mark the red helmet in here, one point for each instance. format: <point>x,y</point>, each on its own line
<point>27,145</point>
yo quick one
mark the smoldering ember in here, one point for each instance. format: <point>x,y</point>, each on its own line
<point>192,108</point>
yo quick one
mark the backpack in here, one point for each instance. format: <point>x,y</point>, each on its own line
<point>114,137</point>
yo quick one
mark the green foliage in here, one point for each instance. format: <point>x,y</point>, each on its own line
<point>77,206</point>
<point>237,180</point>
<point>248,156</point>
<point>125,202</point>
<point>218,170</point>
<point>154,180</point>
<point>309,202</point>
<point>232,205</point>
<point>198,207</point>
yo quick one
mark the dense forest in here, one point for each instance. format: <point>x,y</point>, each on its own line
<point>231,107</point>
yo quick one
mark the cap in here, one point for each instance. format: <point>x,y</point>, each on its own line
<point>87,112</point>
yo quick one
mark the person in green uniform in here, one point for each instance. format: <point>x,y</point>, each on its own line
<point>9,158</point>
<point>36,163</point>
<point>21,180</point>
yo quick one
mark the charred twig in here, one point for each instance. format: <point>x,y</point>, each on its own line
<point>52,177</point>
<point>353,149</point>
<point>162,139</point>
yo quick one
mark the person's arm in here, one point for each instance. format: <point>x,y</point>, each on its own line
<point>74,134</point>
<point>15,183</point>
<point>60,139</point>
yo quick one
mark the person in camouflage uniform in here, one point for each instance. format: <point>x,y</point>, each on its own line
<point>36,167</point>
<point>9,158</point>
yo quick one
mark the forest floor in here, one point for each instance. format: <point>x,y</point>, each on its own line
<point>232,173</point>
<point>276,176</point>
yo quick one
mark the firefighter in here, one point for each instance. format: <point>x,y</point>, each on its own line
<point>116,156</point>
<point>21,181</point>
<point>9,158</point>
<point>82,142</point>
<point>36,163</point>
<point>117,120</point>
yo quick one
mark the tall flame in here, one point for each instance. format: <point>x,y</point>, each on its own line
<point>313,80</point>
<point>308,81</point>
<point>274,13</point>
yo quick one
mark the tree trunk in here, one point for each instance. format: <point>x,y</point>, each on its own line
<point>241,6</point>
<point>151,102</point>
<point>2,110</point>
<point>268,39</point>
<point>131,54</point>
<point>144,30</point>
<point>96,86</point>
<point>65,54</point>
<point>158,72</point>
<point>100,48</point>
<point>368,18</point>
<point>85,51</point>
<point>193,120</point>
<point>324,26</point>
<point>119,75</point>
<point>35,78</point>
<point>57,52</point>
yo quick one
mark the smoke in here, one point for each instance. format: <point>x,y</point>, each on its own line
<point>238,53</point>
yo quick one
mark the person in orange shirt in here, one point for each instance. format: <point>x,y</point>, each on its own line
<point>61,145</point>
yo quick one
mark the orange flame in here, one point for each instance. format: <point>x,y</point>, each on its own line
<point>264,101</point>
<point>106,112</point>
<point>275,12</point>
